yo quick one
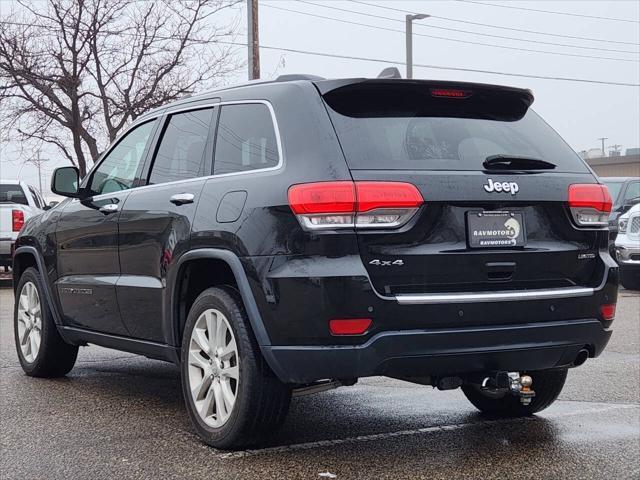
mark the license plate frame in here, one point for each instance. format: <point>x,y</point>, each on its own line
<point>495,229</point>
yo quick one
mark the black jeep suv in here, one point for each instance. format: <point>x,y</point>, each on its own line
<point>289,236</point>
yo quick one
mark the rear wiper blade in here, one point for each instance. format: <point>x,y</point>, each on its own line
<point>515,162</point>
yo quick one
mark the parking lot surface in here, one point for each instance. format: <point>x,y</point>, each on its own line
<point>118,415</point>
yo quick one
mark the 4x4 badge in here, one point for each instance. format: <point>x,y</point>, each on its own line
<point>509,187</point>
<point>386,263</point>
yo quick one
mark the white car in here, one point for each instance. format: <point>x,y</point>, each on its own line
<point>18,202</point>
<point>628,248</point>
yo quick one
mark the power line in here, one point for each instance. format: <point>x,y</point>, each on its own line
<point>551,12</point>
<point>436,36</point>
<point>536,32</point>
<point>437,67</point>
<point>476,33</point>
<point>394,62</point>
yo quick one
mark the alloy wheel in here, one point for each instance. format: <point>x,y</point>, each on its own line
<point>213,368</point>
<point>29,322</point>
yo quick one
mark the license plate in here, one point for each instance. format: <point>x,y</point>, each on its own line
<point>495,229</point>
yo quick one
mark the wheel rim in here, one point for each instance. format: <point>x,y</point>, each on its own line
<point>29,322</point>
<point>214,368</point>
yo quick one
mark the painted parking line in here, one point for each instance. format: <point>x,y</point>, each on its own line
<point>417,431</point>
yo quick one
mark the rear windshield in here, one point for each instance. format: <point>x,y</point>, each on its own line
<point>411,139</point>
<point>614,188</point>
<point>12,194</point>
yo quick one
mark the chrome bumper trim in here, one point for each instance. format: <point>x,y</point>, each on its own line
<point>502,296</point>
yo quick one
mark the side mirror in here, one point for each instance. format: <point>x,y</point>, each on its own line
<point>65,181</point>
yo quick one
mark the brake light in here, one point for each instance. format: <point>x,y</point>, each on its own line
<point>590,204</point>
<point>349,326</point>
<point>450,93</point>
<point>361,204</point>
<point>608,311</point>
<point>17,220</point>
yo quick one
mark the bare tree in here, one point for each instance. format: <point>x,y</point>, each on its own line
<point>73,73</point>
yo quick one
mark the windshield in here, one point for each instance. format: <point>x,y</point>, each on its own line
<point>420,142</point>
<point>614,189</point>
<point>12,194</point>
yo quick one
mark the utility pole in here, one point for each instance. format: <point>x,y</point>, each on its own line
<point>409,40</point>
<point>253,39</point>
<point>602,139</point>
<point>616,150</point>
<point>38,161</point>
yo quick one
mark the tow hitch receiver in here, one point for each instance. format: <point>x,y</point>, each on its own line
<point>516,384</point>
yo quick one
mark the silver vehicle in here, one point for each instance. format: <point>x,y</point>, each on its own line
<point>628,248</point>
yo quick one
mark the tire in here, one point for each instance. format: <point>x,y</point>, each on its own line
<point>261,401</point>
<point>41,350</point>
<point>630,278</point>
<point>547,384</point>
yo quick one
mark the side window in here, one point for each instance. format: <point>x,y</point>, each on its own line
<point>633,191</point>
<point>181,154</point>
<point>246,139</point>
<point>118,170</point>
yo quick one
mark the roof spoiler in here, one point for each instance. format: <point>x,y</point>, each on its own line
<point>366,97</point>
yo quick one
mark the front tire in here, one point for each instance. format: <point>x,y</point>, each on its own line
<point>547,384</point>
<point>232,396</point>
<point>41,350</point>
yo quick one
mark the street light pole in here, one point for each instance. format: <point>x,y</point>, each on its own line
<point>602,139</point>
<point>409,40</point>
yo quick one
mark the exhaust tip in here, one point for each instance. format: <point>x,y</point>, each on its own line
<point>581,357</point>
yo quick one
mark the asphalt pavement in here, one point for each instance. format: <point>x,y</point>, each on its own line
<point>121,416</point>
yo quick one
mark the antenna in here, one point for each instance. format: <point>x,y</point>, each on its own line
<point>390,72</point>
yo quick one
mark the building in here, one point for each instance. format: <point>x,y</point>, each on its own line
<point>618,166</point>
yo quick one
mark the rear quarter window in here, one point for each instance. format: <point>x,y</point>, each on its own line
<point>245,140</point>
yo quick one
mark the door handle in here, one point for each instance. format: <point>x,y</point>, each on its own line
<point>182,198</point>
<point>109,208</point>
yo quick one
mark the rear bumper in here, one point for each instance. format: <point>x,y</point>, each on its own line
<point>6,244</point>
<point>418,335</point>
<point>420,353</point>
<point>6,251</point>
<point>628,255</point>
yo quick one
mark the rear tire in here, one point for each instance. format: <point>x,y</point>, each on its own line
<point>41,350</point>
<point>233,399</point>
<point>547,384</point>
<point>630,278</point>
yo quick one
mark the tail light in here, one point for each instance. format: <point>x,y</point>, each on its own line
<point>349,326</point>
<point>17,220</point>
<point>361,204</point>
<point>608,311</point>
<point>590,204</point>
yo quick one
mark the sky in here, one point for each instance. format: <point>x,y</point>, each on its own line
<point>580,112</point>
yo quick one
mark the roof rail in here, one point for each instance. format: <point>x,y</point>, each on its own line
<point>390,72</point>
<point>298,76</point>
